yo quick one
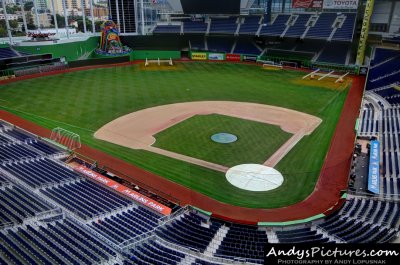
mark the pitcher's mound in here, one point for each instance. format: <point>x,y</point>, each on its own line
<point>224,138</point>
<point>254,177</point>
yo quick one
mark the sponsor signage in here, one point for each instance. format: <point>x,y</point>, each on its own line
<point>369,6</point>
<point>326,4</point>
<point>373,172</point>
<point>363,70</point>
<point>249,58</point>
<point>233,57</point>
<point>124,190</point>
<point>340,4</point>
<point>216,56</point>
<point>199,56</point>
<point>307,3</point>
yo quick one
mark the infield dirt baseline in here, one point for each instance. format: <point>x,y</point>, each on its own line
<point>136,130</point>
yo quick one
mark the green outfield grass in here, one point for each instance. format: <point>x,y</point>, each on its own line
<point>84,101</point>
<point>192,137</point>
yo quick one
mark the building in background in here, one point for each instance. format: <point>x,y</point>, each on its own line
<point>44,20</point>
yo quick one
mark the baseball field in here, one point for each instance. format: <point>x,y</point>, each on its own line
<point>85,101</point>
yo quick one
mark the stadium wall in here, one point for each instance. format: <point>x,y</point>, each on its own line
<point>99,61</point>
<point>71,50</point>
<point>155,54</point>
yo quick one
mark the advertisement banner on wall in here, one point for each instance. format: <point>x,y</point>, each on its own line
<point>363,70</point>
<point>250,58</point>
<point>369,7</point>
<point>373,172</point>
<point>233,57</point>
<point>340,4</point>
<point>124,190</point>
<point>199,56</point>
<point>307,3</point>
<point>327,4</point>
<point>216,56</point>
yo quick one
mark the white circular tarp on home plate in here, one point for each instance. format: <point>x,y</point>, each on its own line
<point>254,177</point>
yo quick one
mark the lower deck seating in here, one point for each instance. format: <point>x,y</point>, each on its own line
<point>363,220</point>
<point>18,134</point>
<point>16,151</point>
<point>153,252</point>
<point>55,243</point>
<point>40,172</point>
<point>126,225</point>
<point>86,199</point>
<point>243,241</point>
<point>3,180</point>
<point>304,235</point>
<point>18,204</point>
<point>188,232</point>
<point>44,147</point>
<point>4,139</point>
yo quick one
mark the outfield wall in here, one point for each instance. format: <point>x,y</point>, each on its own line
<point>155,54</point>
<point>99,61</point>
<point>73,50</point>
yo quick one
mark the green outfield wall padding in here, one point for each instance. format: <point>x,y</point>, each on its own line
<point>163,55</point>
<point>295,222</point>
<point>99,61</point>
<point>72,51</point>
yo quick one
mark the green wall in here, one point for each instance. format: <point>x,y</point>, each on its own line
<point>142,55</point>
<point>72,50</point>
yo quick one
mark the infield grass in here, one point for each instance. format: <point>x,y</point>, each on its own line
<point>256,141</point>
<point>84,101</point>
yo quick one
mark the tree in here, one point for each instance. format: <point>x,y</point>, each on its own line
<point>3,32</point>
<point>97,25</point>
<point>28,6</point>
<point>88,25</point>
<point>13,24</point>
<point>60,21</point>
<point>29,21</point>
<point>12,9</point>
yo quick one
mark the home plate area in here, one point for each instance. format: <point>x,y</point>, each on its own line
<point>254,177</point>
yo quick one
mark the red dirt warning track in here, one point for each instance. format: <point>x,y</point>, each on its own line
<point>333,176</point>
